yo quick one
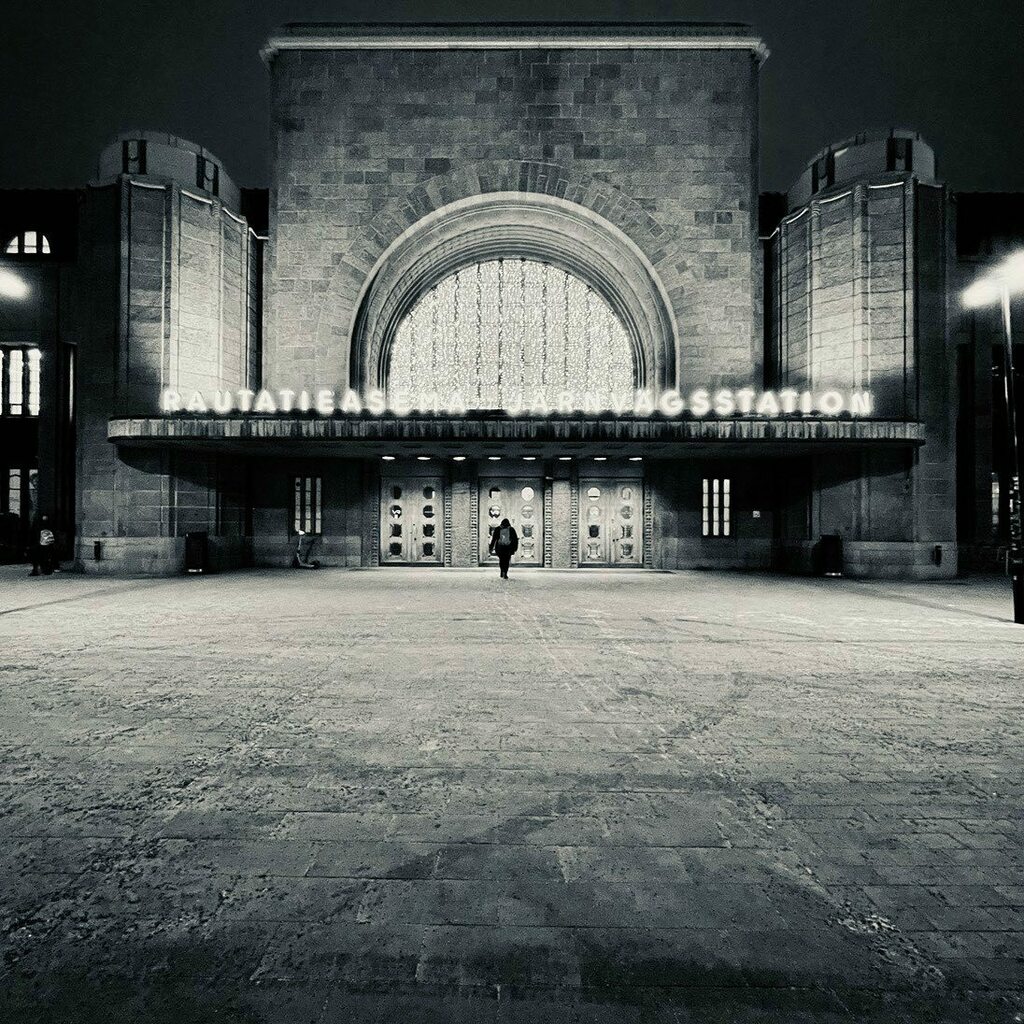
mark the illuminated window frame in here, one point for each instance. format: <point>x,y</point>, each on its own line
<point>716,507</point>
<point>511,332</point>
<point>15,487</point>
<point>29,242</point>
<point>20,381</point>
<point>307,504</point>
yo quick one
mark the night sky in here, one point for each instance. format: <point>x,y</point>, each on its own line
<point>75,72</point>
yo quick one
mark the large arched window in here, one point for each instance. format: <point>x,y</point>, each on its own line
<point>503,332</point>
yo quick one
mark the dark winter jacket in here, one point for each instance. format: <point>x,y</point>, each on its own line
<point>496,539</point>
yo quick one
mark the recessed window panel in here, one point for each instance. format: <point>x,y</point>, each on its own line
<point>716,507</point>
<point>306,504</point>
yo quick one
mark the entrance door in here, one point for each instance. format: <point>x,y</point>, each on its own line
<point>611,522</point>
<point>411,521</point>
<point>521,501</point>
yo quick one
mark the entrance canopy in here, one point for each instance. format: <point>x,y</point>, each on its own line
<point>476,436</point>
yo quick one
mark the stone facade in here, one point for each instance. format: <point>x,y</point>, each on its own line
<point>625,157</point>
<point>858,285</point>
<point>660,143</point>
<point>169,297</point>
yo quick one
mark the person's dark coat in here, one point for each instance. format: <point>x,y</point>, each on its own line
<point>513,545</point>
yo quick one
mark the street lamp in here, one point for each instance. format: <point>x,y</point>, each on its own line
<point>1004,280</point>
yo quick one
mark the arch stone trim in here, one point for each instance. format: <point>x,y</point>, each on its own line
<point>515,225</point>
<point>622,225</point>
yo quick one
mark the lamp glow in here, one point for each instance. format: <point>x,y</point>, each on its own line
<point>12,286</point>
<point>1007,275</point>
<point>997,288</point>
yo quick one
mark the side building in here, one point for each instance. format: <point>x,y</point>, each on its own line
<point>856,294</point>
<point>171,296</point>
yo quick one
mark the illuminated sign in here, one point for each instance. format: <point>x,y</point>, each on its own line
<point>744,401</point>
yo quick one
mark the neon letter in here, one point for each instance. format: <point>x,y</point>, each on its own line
<point>325,401</point>
<point>170,400</point>
<point>700,402</point>
<point>860,402</point>
<point>831,403</point>
<point>670,403</point>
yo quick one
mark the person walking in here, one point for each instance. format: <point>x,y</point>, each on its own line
<point>504,544</point>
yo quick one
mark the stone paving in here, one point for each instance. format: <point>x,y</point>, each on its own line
<point>431,796</point>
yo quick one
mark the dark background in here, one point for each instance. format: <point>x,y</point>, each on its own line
<point>75,72</point>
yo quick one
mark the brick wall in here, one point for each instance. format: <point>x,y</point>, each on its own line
<point>662,144</point>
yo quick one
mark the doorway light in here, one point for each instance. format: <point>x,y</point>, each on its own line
<point>422,458</point>
<point>388,458</point>
<point>565,458</point>
<point>600,458</point>
<point>458,458</point>
<point>636,458</point>
<point>493,458</point>
<point>529,458</point>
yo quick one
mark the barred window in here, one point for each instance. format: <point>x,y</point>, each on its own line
<point>716,507</point>
<point>306,509</point>
<point>13,497</point>
<point>20,371</point>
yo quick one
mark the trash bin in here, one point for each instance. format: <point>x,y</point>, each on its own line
<point>831,555</point>
<point>196,551</point>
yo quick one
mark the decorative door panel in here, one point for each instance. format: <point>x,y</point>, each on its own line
<point>520,500</point>
<point>611,522</point>
<point>411,521</point>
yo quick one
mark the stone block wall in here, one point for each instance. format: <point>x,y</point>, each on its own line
<point>847,291</point>
<point>662,144</point>
<point>190,268</point>
<point>677,493</point>
<point>167,295</point>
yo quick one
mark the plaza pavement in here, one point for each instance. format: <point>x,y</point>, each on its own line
<point>433,796</point>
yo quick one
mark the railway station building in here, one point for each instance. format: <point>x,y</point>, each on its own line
<point>519,271</point>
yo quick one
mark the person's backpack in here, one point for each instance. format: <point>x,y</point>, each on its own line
<point>505,537</point>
